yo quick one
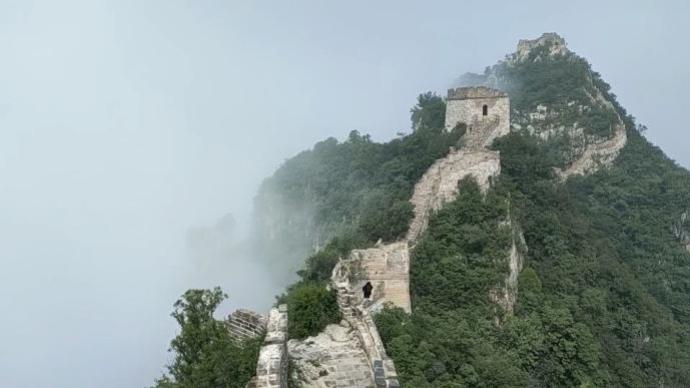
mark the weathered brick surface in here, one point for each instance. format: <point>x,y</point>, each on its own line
<point>352,355</point>
<point>246,324</point>
<point>439,185</point>
<point>272,367</point>
<point>384,269</point>
<point>332,359</point>
<point>466,105</point>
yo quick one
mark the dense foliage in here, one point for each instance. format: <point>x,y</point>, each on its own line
<point>450,339</point>
<point>205,355</point>
<point>603,298</point>
<point>359,188</point>
<point>311,308</point>
<point>359,192</point>
<point>603,295</point>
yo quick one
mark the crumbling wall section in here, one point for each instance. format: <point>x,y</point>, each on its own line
<point>272,367</point>
<point>245,324</point>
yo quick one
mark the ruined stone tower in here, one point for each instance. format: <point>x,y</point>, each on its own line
<point>485,111</point>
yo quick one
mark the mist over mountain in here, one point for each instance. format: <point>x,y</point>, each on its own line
<point>151,151</point>
<point>525,233</point>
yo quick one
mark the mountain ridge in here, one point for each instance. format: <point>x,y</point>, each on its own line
<point>569,267</point>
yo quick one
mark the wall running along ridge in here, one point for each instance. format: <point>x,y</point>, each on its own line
<point>594,153</point>
<point>597,155</point>
<point>352,354</point>
<point>386,266</point>
<point>439,185</point>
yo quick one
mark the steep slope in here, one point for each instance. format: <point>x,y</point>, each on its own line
<point>557,97</point>
<point>555,255</point>
<point>571,267</point>
<point>356,190</point>
<point>603,296</point>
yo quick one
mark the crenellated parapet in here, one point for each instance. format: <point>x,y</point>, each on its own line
<point>473,92</point>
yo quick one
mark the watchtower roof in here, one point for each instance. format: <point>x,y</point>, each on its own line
<point>474,92</point>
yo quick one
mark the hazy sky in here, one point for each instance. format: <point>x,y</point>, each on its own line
<point>125,123</point>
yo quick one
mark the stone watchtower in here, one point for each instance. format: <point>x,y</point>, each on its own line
<point>485,111</point>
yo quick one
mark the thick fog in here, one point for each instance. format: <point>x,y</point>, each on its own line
<point>133,135</point>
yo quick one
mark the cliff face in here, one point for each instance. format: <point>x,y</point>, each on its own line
<point>681,230</point>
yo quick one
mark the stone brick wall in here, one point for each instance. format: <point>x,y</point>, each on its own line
<point>246,324</point>
<point>439,184</point>
<point>385,267</point>
<point>358,316</point>
<point>272,367</point>
<point>465,105</point>
<point>597,155</point>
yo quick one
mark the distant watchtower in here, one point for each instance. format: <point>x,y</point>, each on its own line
<point>485,111</point>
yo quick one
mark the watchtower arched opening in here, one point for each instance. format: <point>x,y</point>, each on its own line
<point>485,110</point>
<point>366,290</point>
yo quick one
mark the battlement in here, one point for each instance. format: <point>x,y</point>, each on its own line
<point>465,93</point>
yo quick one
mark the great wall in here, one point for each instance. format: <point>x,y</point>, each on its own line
<point>351,354</point>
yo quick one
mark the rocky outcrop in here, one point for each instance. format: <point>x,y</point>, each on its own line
<point>505,295</point>
<point>680,230</point>
<point>272,366</point>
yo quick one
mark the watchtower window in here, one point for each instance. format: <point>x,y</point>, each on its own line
<point>485,110</point>
<point>367,290</point>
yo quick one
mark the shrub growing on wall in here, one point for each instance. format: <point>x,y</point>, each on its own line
<point>312,307</point>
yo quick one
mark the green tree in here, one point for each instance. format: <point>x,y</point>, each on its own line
<point>430,112</point>
<point>311,307</point>
<point>205,355</point>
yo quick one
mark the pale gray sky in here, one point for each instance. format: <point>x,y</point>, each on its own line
<point>125,123</point>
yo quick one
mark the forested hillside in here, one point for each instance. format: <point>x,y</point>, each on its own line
<point>604,293</point>
<point>603,297</point>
